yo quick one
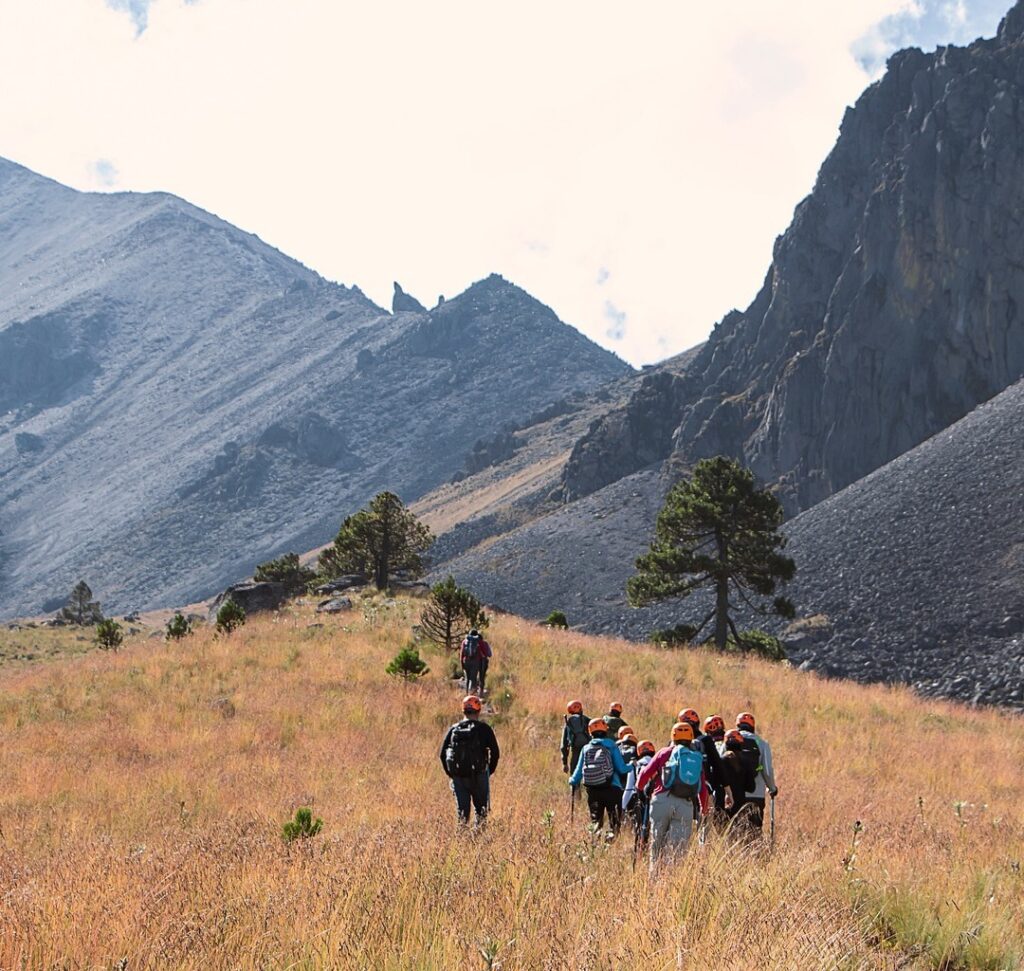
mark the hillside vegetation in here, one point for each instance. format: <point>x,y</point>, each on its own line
<point>142,796</point>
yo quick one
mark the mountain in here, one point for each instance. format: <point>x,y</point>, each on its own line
<point>918,568</point>
<point>890,311</point>
<point>179,400</point>
<point>893,303</point>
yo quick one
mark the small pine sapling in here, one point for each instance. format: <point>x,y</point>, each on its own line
<point>178,626</point>
<point>407,664</point>
<point>302,826</point>
<point>230,616</point>
<point>557,619</point>
<point>109,636</point>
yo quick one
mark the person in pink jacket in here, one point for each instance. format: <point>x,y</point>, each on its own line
<point>678,775</point>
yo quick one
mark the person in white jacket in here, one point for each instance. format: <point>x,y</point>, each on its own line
<point>764,779</point>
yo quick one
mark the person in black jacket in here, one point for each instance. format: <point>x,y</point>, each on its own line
<point>702,742</point>
<point>469,757</point>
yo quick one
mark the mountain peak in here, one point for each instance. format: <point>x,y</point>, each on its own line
<point>1011,27</point>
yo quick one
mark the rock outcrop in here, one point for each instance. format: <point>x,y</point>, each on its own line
<point>252,597</point>
<point>893,303</point>
<point>403,302</point>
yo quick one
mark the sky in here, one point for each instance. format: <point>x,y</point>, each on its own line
<point>629,164</point>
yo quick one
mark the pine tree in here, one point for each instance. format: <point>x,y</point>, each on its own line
<point>450,613</point>
<point>81,608</point>
<point>178,626</point>
<point>407,664</point>
<point>230,616</point>
<point>378,541</point>
<point>108,635</point>
<point>717,530</point>
<point>287,570</point>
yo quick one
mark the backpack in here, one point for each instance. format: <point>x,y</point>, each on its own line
<point>578,734</point>
<point>471,648</point>
<point>628,750</point>
<point>750,761</point>
<point>597,766</point>
<point>680,775</point>
<point>465,755</point>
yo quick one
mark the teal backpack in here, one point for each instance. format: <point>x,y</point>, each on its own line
<point>680,775</point>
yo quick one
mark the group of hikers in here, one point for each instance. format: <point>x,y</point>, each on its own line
<point>475,656</point>
<point>705,772</point>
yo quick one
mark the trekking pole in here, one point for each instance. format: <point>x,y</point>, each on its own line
<point>771,837</point>
<point>572,803</point>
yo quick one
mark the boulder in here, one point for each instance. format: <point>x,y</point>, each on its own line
<point>335,605</point>
<point>342,583</point>
<point>252,597</point>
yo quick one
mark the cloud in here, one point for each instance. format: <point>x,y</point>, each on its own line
<point>612,150</point>
<point>927,24</point>
<point>104,173</point>
<point>602,275</point>
<point>138,10</point>
<point>616,330</point>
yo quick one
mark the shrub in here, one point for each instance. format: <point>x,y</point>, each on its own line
<point>407,664</point>
<point>287,570</point>
<point>108,635</point>
<point>676,636</point>
<point>178,626</point>
<point>302,826</point>
<point>761,643</point>
<point>450,614</point>
<point>230,616</point>
<point>557,619</point>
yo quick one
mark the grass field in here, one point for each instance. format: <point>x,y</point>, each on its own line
<point>142,796</point>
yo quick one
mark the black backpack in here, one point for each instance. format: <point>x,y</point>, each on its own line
<point>750,761</point>
<point>465,755</point>
<point>578,734</point>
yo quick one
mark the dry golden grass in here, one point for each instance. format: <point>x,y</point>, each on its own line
<point>142,795</point>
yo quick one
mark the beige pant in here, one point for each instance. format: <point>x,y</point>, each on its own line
<point>671,824</point>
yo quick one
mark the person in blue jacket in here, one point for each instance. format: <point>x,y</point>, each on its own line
<point>602,770</point>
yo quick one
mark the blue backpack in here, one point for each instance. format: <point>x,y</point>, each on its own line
<point>680,775</point>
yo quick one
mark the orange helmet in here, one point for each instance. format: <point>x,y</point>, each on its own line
<point>574,707</point>
<point>615,708</point>
<point>645,747</point>
<point>734,737</point>
<point>471,703</point>
<point>682,732</point>
<point>624,731</point>
<point>628,738</point>
<point>597,725</point>
<point>714,725</point>
<point>745,720</point>
<point>689,716</point>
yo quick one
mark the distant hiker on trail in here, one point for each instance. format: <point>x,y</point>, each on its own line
<point>627,743</point>
<point>677,772</point>
<point>574,735</point>
<point>469,757</point>
<point>614,719</point>
<point>712,761</point>
<point>756,748</point>
<point>475,656</point>
<point>603,771</point>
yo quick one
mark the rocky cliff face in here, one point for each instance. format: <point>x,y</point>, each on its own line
<point>893,303</point>
<point>179,401</point>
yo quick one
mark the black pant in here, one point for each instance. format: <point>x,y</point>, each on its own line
<point>475,788</point>
<point>574,757</point>
<point>602,799</point>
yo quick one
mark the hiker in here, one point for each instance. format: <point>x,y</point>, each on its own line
<point>574,735</point>
<point>714,729</point>
<point>602,770</point>
<point>614,719</point>
<point>757,756</point>
<point>712,761</point>
<point>627,743</point>
<point>677,772</point>
<point>474,654</point>
<point>736,773</point>
<point>634,800</point>
<point>469,757</point>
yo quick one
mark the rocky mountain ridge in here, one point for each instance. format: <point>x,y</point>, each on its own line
<point>181,401</point>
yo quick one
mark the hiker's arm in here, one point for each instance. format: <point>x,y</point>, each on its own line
<point>577,773</point>
<point>627,793</point>
<point>444,745</point>
<point>651,770</point>
<point>768,771</point>
<point>495,752</point>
